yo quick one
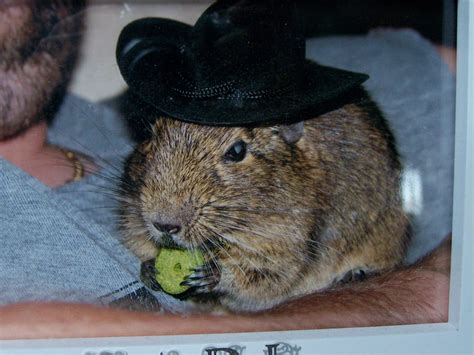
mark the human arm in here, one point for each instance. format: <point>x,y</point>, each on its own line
<point>417,294</point>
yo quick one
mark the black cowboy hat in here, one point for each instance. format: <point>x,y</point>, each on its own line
<point>243,62</point>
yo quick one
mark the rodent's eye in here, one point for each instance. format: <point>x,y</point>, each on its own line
<point>236,152</point>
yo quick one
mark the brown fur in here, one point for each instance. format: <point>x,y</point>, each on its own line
<point>289,219</point>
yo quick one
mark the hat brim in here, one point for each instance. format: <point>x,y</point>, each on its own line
<point>145,68</point>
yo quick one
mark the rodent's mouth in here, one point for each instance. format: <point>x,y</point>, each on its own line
<point>167,241</point>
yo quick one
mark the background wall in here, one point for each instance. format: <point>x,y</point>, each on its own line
<point>97,76</point>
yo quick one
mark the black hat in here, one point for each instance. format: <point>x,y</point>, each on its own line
<point>243,62</point>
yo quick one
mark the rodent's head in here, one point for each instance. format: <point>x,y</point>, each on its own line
<point>203,186</point>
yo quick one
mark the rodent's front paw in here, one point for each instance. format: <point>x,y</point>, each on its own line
<point>200,283</point>
<point>354,275</point>
<point>203,280</point>
<point>148,275</point>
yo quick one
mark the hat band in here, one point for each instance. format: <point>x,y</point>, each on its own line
<point>228,90</point>
<point>222,92</point>
<point>208,92</point>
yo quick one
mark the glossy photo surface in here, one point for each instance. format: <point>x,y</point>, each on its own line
<point>232,169</point>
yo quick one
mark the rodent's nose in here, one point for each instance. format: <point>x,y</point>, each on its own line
<point>167,228</point>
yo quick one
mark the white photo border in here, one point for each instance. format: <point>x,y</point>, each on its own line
<point>455,336</point>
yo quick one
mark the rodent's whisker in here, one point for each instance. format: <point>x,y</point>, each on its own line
<point>220,199</point>
<point>103,191</point>
<point>262,233</point>
<point>235,223</point>
<point>219,216</point>
<point>264,210</point>
<point>101,130</point>
<point>219,247</point>
<point>208,251</point>
<point>132,211</point>
<point>229,239</point>
<point>100,161</point>
<point>103,174</point>
<point>243,245</point>
<point>149,237</point>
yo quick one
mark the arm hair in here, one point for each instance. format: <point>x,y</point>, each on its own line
<point>417,294</point>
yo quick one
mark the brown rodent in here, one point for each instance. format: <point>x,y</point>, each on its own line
<point>281,211</point>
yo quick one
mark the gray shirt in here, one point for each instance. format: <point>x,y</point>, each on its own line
<point>62,244</point>
<point>55,243</point>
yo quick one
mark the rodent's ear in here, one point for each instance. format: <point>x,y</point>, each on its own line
<point>292,133</point>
